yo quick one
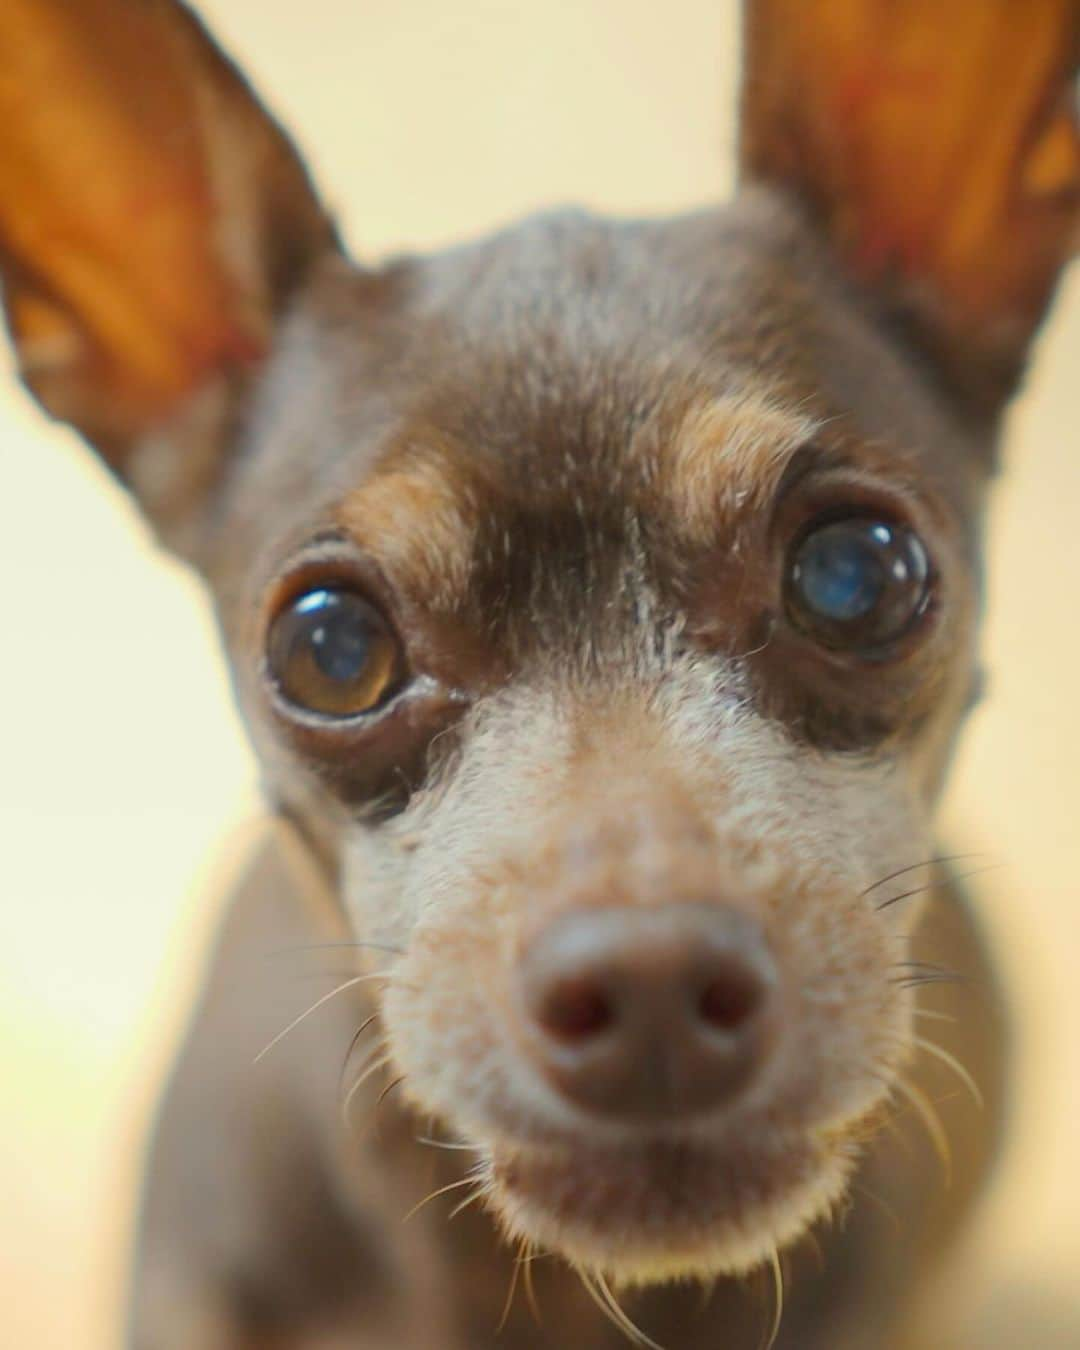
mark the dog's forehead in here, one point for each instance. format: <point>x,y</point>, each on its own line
<point>568,330</point>
<point>543,349</point>
<point>557,392</point>
<point>521,404</point>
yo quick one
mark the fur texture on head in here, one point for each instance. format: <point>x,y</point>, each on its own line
<point>609,436</point>
<point>563,475</point>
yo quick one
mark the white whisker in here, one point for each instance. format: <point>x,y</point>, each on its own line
<point>341,988</point>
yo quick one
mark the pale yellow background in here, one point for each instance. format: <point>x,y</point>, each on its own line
<point>123,773</point>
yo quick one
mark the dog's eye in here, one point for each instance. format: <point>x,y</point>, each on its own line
<point>858,583</point>
<point>332,652</point>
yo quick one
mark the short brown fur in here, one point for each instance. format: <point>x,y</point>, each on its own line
<point>569,466</point>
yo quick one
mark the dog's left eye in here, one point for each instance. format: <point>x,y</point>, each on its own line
<point>330,651</point>
<point>858,583</point>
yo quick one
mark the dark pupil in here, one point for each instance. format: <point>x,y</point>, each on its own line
<point>840,571</point>
<point>340,634</point>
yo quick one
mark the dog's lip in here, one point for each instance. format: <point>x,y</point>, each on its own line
<point>674,1167</point>
<point>667,1206</point>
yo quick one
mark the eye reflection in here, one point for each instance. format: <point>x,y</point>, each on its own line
<point>858,583</point>
<point>331,651</point>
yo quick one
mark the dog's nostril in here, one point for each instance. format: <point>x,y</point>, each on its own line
<point>648,1012</point>
<point>731,999</point>
<point>575,1010</point>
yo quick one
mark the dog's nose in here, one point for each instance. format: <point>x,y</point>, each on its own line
<point>649,1013</point>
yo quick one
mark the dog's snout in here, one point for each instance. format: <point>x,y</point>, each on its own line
<point>648,1013</point>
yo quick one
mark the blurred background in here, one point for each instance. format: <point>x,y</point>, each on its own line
<point>126,791</point>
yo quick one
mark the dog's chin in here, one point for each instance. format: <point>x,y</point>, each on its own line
<point>666,1209</point>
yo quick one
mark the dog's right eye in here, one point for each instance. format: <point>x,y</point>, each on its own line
<point>330,651</point>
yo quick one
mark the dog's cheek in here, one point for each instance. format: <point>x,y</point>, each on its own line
<point>442,1015</point>
<point>849,1024</point>
<point>814,836</point>
<point>375,864</point>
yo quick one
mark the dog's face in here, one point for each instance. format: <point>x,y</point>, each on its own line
<point>625,573</point>
<point>601,599</point>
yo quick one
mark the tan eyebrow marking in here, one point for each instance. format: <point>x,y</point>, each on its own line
<point>416,520</point>
<point>729,455</point>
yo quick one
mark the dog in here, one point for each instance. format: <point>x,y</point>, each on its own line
<point>602,601</point>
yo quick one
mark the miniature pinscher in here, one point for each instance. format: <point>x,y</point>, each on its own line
<point>602,600</point>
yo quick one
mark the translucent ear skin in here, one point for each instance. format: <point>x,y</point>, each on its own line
<point>937,145</point>
<point>152,215</point>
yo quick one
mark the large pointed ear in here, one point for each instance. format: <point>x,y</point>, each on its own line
<point>935,142</point>
<point>153,221</point>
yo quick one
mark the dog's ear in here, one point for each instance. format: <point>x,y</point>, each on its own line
<point>153,222</point>
<point>936,145</point>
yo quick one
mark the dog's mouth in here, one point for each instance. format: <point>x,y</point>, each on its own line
<point>667,1208</point>
<point>629,1125</point>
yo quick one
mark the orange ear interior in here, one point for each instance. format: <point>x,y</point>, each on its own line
<point>936,139</point>
<point>133,164</point>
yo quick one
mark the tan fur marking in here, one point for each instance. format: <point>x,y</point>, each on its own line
<point>730,454</point>
<point>417,523</point>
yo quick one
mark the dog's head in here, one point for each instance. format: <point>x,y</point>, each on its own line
<point>601,596</point>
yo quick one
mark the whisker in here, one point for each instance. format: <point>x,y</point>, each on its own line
<point>340,989</point>
<point>879,1203</point>
<point>891,1121</point>
<point>918,973</point>
<point>948,1058</point>
<point>514,1274</point>
<point>462,1205</point>
<point>906,895</point>
<point>778,1308</point>
<point>753,651</point>
<point>530,1285</point>
<point>612,1311</point>
<point>621,1318</point>
<point>931,885</point>
<point>926,862</point>
<point>924,1108</point>
<point>812,1241</point>
<point>918,980</point>
<point>395,1082</point>
<point>925,972</point>
<point>367,1022</point>
<point>933,1015</point>
<point>442,1190</point>
<point>447,1145</point>
<point>593,1293</point>
<point>443,1143</point>
<point>380,1063</point>
<point>323,973</point>
<point>337,946</point>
